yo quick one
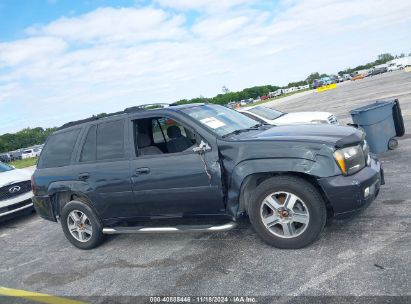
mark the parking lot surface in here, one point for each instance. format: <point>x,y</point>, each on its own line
<point>367,255</point>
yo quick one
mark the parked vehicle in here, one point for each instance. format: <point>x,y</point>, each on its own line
<point>395,67</point>
<point>357,77</point>
<point>29,153</point>
<point>377,71</point>
<point>130,170</point>
<point>317,83</point>
<point>15,191</point>
<point>327,80</point>
<point>6,157</point>
<point>277,118</point>
<point>346,77</point>
<point>335,79</point>
<point>16,154</point>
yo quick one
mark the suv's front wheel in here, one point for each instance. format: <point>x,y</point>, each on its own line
<point>81,226</point>
<point>287,212</point>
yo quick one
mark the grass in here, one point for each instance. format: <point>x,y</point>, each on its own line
<point>23,163</point>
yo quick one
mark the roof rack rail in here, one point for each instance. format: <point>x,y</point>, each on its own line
<point>151,106</point>
<point>92,118</point>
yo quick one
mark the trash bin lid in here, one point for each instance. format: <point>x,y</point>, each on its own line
<point>373,106</point>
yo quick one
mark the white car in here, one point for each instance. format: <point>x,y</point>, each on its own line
<point>395,67</point>
<point>274,117</point>
<point>29,153</point>
<point>15,190</point>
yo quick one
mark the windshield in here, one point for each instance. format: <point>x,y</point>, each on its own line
<point>4,167</point>
<point>266,113</point>
<point>219,119</point>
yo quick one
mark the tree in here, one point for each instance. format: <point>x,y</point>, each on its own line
<point>383,58</point>
<point>312,76</point>
<point>24,138</point>
<point>225,89</point>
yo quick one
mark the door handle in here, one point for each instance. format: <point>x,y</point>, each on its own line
<point>83,176</point>
<point>142,171</point>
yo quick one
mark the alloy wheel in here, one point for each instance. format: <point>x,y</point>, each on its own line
<point>284,214</point>
<point>79,226</point>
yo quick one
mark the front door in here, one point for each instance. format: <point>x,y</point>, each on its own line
<point>168,177</point>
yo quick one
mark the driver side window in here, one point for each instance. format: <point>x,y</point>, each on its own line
<point>162,135</point>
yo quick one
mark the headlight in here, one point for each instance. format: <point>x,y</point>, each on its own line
<point>350,159</point>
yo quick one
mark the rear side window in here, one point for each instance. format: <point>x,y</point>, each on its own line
<point>57,152</point>
<point>104,141</point>
<point>110,140</point>
<point>89,148</point>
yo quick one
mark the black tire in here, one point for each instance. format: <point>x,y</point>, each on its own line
<point>306,192</point>
<point>97,235</point>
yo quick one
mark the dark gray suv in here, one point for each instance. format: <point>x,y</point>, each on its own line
<point>199,167</point>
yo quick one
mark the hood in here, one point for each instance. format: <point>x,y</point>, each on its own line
<point>14,176</point>
<point>301,117</point>
<point>338,136</point>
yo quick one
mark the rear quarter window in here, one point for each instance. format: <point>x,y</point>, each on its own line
<point>58,149</point>
<point>110,140</point>
<point>104,141</point>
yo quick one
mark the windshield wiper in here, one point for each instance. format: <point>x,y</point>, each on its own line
<point>235,132</point>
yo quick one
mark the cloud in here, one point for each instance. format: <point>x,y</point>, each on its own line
<point>30,49</point>
<point>114,25</point>
<point>203,5</point>
<point>112,58</point>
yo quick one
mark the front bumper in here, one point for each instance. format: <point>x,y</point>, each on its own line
<point>347,194</point>
<point>16,204</point>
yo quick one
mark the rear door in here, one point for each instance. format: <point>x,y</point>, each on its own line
<point>103,165</point>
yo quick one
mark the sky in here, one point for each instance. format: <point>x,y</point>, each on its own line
<point>67,60</point>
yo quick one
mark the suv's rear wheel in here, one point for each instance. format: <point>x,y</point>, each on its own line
<point>287,212</point>
<point>81,226</point>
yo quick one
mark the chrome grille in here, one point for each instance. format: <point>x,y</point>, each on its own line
<point>5,192</point>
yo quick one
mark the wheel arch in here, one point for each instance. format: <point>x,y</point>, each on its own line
<point>61,198</point>
<point>62,192</point>
<point>252,181</point>
<point>247,175</point>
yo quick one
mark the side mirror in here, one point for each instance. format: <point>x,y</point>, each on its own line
<point>202,147</point>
